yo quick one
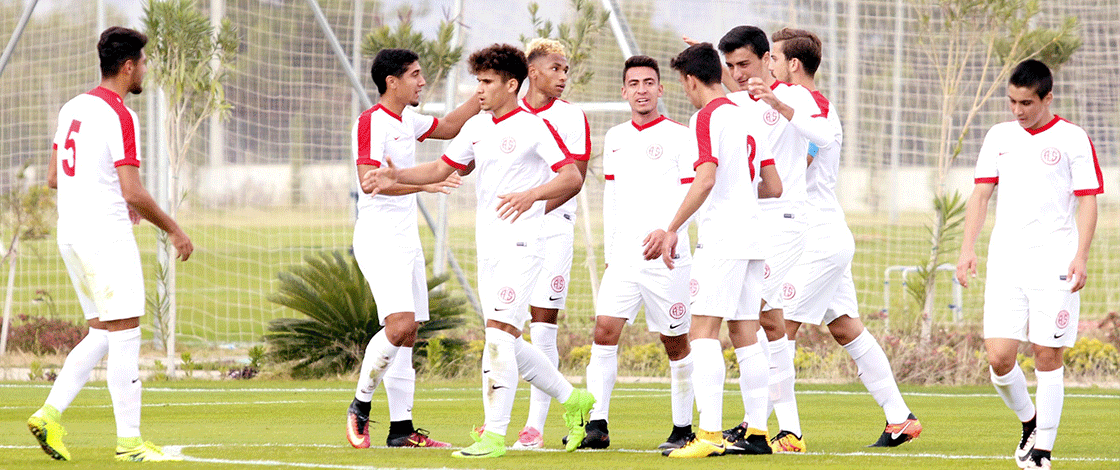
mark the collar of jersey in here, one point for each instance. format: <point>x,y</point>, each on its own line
<point>1043,128</point>
<point>537,110</point>
<point>773,86</point>
<point>387,111</point>
<point>711,106</point>
<point>648,124</point>
<point>105,94</point>
<point>497,119</point>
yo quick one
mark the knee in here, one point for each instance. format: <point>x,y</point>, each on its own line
<point>1001,363</point>
<point>401,333</point>
<point>606,335</point>
<point>676,347</point>
<point>845,329</point>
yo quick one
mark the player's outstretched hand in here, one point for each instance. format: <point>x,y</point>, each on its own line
<point>966,267</point>
<point>453,181</point>
<point>651,246</point>
<point>669,248</point>
<point>375,181</point>
<point>1077,273</point>
<point>182,245</point>
<point>758,89</point>
<point>689,41</point>
<point>514,204</point>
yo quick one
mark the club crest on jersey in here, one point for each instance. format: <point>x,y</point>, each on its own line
<point>770,117</point>
<point>788,291</point>
<point>766,271</point>
<point>558,284</point>
<point>508,144</point>
<point>1051,155</point>
<point>693,287</point>
<point>1062,320</point>
<point>654,151</point>
<point>677,311</point>
<point>507,295</point>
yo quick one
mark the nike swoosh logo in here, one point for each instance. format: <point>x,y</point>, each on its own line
<point>678,325</point>
<point>475,142</point>
<point>553,298</point>
<point>495,387</point>
<point>615,150</point>
<point>895,435</point>
<point>136,380</point>
<point>417,443</point>
<point>486,371</point>
<point>1056,336</point>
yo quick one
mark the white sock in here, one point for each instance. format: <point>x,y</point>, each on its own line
<point>602,371</point>
<point>400,385</point>
<point>753,377</point>
<point>781,386</point>
<point>75,371</point>
<point>1012,388</point>
<point>1051,394</point>
<point>708,375</point>
<point>499,379</point>
<point>379,355</point>
<point>680,391</point>
<point>538,370</point>
<point>875,371</point>
<point>544,338</point>
<point>123,373</point>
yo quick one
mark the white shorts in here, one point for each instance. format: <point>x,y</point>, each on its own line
<point>822,285</point>
<point>663,291</point>
<point>504,284</point>
<point>727,288</point>
<point>1044,316</point>
<point>551,287</point>
<point>107,278</point>
<point>782,251</point>
<point>397,278</point>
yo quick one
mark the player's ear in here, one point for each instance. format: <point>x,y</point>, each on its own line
<point>1047,99</point>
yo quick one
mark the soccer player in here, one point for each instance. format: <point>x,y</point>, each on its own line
<point>99,191</point>
<point>387,243</point>
<point>728,267</point>
<point>548,75</point>
<point>1049,179</point>
<point>648,168</point>
<point>515,153</point>
<point>789,119</point>
<point>824,292</point>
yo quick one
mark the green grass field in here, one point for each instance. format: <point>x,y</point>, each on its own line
<point>284,424</point>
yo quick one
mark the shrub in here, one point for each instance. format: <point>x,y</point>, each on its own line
<point>341,314</point>
<point>41,335</point>
<point>1090,356</point>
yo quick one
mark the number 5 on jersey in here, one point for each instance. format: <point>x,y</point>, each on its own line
<point>68,166</point>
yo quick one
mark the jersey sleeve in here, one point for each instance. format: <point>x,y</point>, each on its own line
<point>705,148</point>
<point>1085,169</point>
<point>987,170</point>
<point>122,138</point>
<point>422,125</point>
<point>810,117</point>
<point>460,152</point>
<point>550,147</point>
<point>368,144</point>
<point>686,156</point>
<point>578,139</point>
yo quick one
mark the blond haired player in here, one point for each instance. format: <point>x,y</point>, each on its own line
<point>823,289</point>
<point>99,187</point>
<point>548,77</point>
<point>1048,177</point>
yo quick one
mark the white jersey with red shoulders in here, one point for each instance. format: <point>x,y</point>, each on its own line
<point>571,124</point>
<point>729,221</point>
<point>96,134</point>
<point>512,153</point>
<point>1039,173</point>
<point>787,140</point>
<point>820,176</point>
<point>648,170</point>
<point>380,133</point>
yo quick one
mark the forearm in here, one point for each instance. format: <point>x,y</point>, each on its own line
<point>52,170</point>
<point>402,189</point>
<point>427,173</point>
<point>450,124</point>
<point>143,204</point>
<point>695,198</point>
<point>1086,224</point>
<point>976,211</point>
<point>564,186</point>
<point>816,129</point>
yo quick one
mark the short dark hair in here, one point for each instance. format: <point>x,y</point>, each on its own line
<point>390,62</point>
<point>1033,74</point>
<point>505,60</point>
<point>700,61</point>
<point>117,46</point>
<point>801,45</point>
<point>641,61</point>
<point>745,36</point>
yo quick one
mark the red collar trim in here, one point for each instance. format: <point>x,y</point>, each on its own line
<point>774,86</point>
<point>387,111</point>
<point>648,124</point>
<point>507,115</point>
<point>712,105</point>
<point>105,93</point>
<point>533,110</point>
<point>1044,128</point>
